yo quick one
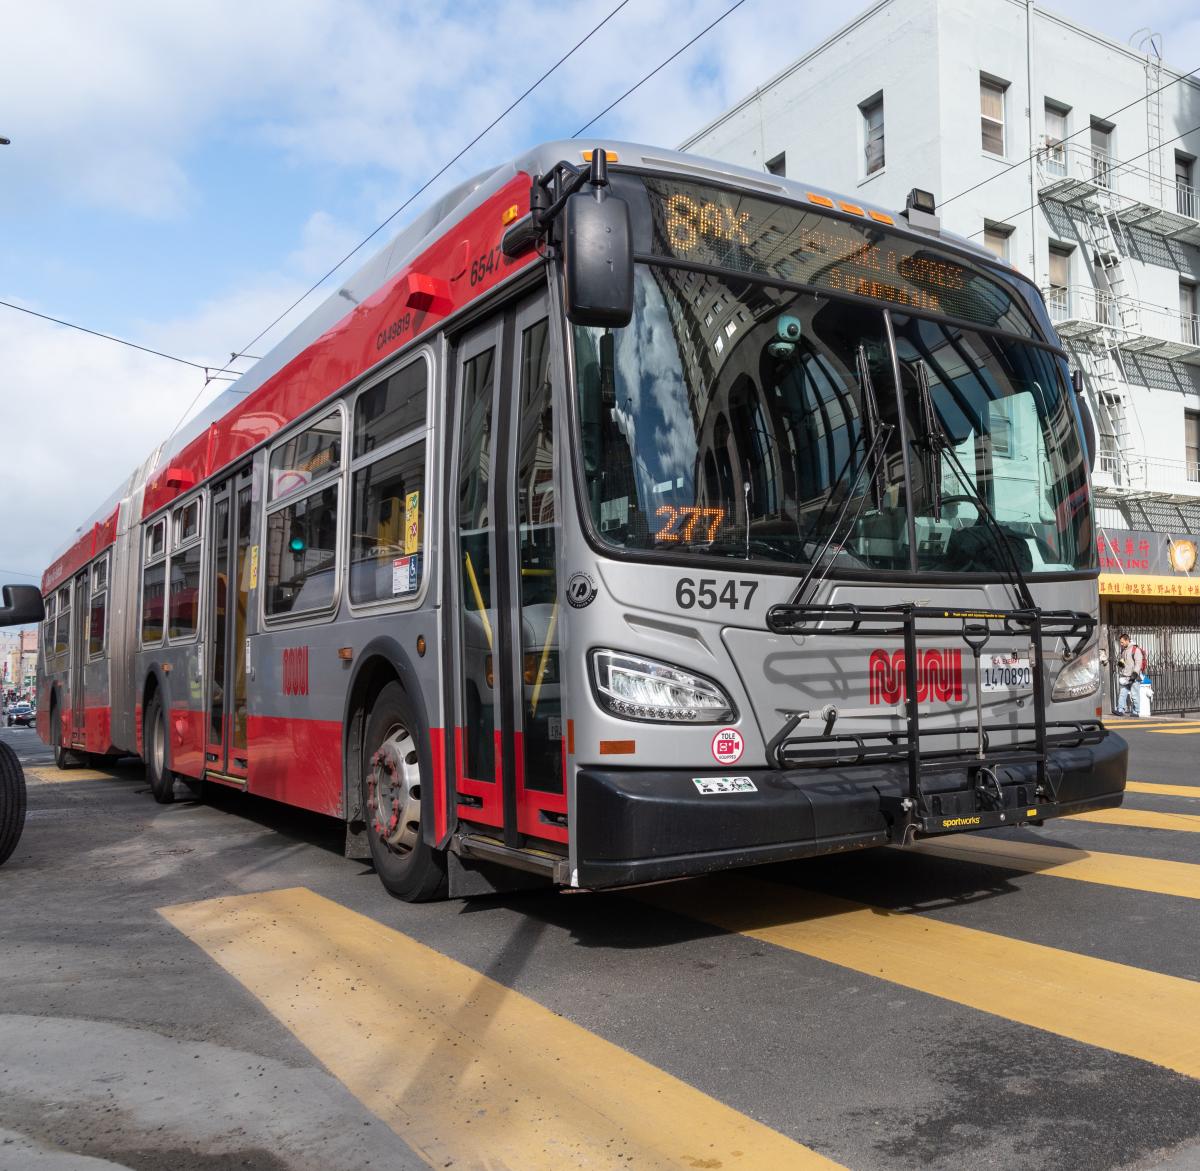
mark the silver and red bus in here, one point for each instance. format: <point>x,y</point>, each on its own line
<point>628,516</point>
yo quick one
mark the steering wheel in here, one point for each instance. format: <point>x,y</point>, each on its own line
<point>959,500</point>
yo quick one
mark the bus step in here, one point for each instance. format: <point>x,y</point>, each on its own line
<point>224,779</point>
<point>482,849</point>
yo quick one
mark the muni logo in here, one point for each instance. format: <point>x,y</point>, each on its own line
<point>295,670</point>
<point>939,676</point>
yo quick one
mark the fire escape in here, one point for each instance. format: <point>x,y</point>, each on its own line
<point>1106,323</point>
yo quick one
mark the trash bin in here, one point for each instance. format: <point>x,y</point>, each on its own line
<point>1145,696</point>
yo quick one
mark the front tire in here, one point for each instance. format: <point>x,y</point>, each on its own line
<point>12,801</point>
<point>395,763</point>
<point>154,741</point>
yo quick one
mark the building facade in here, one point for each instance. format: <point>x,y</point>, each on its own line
<point>1074,158</point>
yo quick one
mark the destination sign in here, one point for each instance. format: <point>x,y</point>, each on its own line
<point>804,245</point>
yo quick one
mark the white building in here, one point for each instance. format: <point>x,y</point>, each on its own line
<point>1074,158</point>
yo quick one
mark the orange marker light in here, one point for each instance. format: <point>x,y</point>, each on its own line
<point>509,214</point>
<point>879,217</point>
<point>823,200</point>
<point>617,747</point>
<point>610,155</point>
<point>852,208</point>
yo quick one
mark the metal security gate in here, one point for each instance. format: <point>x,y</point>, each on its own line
<point>1169,633</point>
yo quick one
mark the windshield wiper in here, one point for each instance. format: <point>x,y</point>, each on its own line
<point>937,444</point>
<point>872,421</point>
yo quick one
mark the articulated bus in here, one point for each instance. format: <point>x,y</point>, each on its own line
<point>629,516</point>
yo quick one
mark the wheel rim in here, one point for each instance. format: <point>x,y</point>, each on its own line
<point>394,791</point>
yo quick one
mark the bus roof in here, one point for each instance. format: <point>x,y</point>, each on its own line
<point>363,298</point>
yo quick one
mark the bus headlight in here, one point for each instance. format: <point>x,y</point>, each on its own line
<point>1080,677</point>
<point>634,688</point>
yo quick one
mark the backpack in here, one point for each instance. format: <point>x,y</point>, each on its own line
<point>1145,658</point>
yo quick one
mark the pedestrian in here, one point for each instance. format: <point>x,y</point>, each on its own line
<point>1130,664</point>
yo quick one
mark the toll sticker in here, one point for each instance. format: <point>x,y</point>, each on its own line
<point>412,522</point>
<point>728,746</point>
<point>708,785</point>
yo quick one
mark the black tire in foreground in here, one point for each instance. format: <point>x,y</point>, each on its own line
<point>12,801</point>
<point>395,762</point>
<point>154,748</point>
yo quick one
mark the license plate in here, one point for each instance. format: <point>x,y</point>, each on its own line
<point>1003,672</point>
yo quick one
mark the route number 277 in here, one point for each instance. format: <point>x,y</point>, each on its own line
<point>703,593</point>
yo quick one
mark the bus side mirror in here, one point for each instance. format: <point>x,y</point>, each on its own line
<point>22,603</point>
<point>597,260</point>
<point>1085,417</point>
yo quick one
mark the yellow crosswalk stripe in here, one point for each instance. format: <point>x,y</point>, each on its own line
<point>1163,790</point>
<point>467,1071</point>
<point>56,776</point>
<point>1175,731</point>
<point>1113,1006</point>
<point>1142,819</point>
<point>1153,875</point>
<point>1156,726</point>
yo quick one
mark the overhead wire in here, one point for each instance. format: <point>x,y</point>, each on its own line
<point>436,175</point>
<point>1075,133</point>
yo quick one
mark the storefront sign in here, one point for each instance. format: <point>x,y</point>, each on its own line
<point>1136,562</point>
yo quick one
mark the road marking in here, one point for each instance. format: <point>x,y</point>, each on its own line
<point>1163,790</point>
<point>1113,1006</point>
<point>1174,731</point>
<point>465,1070</point>
<point>1173,726</point>
<point>53,775</point>
<point>1142,819</point>
<point>1153,875</point>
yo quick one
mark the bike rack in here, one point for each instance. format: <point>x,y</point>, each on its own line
<point>985,802</point>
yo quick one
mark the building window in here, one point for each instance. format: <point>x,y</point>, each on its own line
<point>1055,138</point>
<point>778,165</point>
<point>1101,152</point>
<point>995,238</point>
<point>1185,189</point>
<point>1191,439</point>
<point>1189,323</point>
<point>1058,293</point>
<point>991,114</point>
<point>872,115</point>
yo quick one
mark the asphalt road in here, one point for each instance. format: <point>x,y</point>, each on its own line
<point>202,986</point>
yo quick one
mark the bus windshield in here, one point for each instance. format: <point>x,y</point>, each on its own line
<point>734,419</point>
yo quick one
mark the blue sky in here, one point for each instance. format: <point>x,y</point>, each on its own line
<point>180,172</point>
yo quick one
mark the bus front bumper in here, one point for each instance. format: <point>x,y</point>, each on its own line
<point>644,825</point>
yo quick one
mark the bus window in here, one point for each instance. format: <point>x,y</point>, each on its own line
<point>62,628</point>
<point>99,608</point>
<point>536,515</point>
<point>48,625</point>
<point>302,534</point>
<point>477,616</point>
<point>154,582</point>
<point>185,591</point>
<point>302,554</point>
<point>390,409</point>
<point>388,524</point>
<point>307,457</point>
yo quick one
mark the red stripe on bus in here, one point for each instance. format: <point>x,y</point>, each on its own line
<point>98,538</point>
<point>187,734</point>
<point>489,810</point>
<point>386,320</point>
<point>531,802</point>
<point>297,761</point>
<point>437,751</point>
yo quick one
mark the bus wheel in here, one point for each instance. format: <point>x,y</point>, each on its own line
<point>63,756</point>
<point>391,779</point>
<point>12,801</point>
<point>154,735</point>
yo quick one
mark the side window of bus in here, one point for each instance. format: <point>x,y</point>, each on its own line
<point>387,517</point>
<point>184,603</point>
<point>98,616</point>
<point>48,626</point>
<point>536,518</point>
<point>154,581</point>
<point>62,627</point>
<point>302,519</point>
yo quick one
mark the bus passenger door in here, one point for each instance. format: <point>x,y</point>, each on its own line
<point>79,640</point>
<point>230,511</point>
<point>503,658</point>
